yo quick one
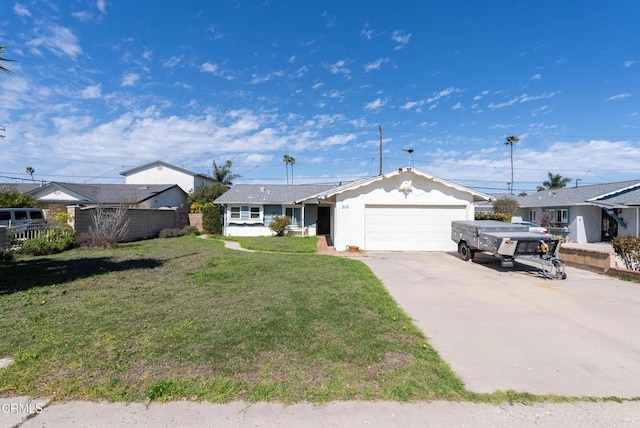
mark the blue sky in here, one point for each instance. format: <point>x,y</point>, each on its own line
<point>101,86</point>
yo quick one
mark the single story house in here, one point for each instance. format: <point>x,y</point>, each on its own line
<point>159,172</point>
<point>60,195</point>
<point>592,213</point>
<point>403,210</point>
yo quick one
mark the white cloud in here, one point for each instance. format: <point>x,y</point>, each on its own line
<point>376,104</point>
<point>482,94</point>
<point>91,92</point>
<point>619,96</point>
<point>537,76</point>
<point>317,85</point>
<point>376,64</point>
<point>629,63</point>
<point>101,5</point>
<point>208,67</point>
<point>409,105</point>
<point>457,106</point>
<point>443,93</point>
<point>255,79</point>
<point>130,79</point>
<point>21,10</point>
<point>339,67</point>
<point>59,40</point>
<point>523,99</point>
<point>401,38</point>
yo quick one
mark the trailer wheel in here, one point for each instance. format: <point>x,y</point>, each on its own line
<point>465,251</point>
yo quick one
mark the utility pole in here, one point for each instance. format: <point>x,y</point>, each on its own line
<point>380,128</point>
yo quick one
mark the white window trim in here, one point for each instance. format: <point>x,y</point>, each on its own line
<point>240,220</point>
<point>301,207</point>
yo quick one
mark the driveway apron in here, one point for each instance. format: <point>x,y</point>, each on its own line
<point>512,329</point>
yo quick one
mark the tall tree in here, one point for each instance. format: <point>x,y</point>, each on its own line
<point>31,171</point>
<point>2,69</point>
<point>288,160</point>
<point>555,181</point>
<point>510,141</point>
<point>223,175</point>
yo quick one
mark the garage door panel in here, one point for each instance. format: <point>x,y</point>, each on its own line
<point>425,228</point>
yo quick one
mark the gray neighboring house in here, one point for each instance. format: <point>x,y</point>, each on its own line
<point>60,195</point>
<point>249,208</point>
<point>592,213</point>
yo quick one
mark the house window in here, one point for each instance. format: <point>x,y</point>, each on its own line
<point>532,215</point>
<point>245,214</point>
<point>562,216</point>
<point>234,213</point>
<point>295,214</point>
<point>255,213</point>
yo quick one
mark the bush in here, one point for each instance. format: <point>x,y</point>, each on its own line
<point>493,216</point>
<point>191,230</point>
<point>506,205</point>
<point>170,233</point>
<point>279,224</point>
<point>212,219</point>
<point>628,249</point>
<point>108,227</point>
<point>43,247</point>
<point>14,199</point>
<point>6,255</point>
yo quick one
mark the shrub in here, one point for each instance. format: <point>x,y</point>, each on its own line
<point>171,233</point>
<point>5,255</point>
<point>206,194</point>
<point>506,205</point>
<point>212,219</point>
<point>493,216</point>
<point>43,247</point>
<point>279,224</point>
<point>628,249</point>
<point>10,198</point>
<point>190,230</point>
<point>108,227</point>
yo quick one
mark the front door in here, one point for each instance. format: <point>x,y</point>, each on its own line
<point>609,227</point>
<point>324,221</point>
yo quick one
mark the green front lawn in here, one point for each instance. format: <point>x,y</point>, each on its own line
<point>284,244</point>
<point>188,318</point>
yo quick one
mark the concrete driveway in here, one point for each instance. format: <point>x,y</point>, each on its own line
<point>511,329</point>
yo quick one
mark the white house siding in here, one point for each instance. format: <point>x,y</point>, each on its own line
<point>172,197</point>
<point>425,196</point>
<point>162,174</point>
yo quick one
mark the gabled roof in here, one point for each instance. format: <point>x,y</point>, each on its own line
<point>624,192</point>
<point>107,194</point>
<point>163,164</point>
<point>276,194</point>
<point>477,196</point>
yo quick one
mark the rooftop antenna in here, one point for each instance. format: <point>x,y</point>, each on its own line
<point>410,151</point>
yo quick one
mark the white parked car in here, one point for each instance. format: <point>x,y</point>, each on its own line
<point>533,227</point>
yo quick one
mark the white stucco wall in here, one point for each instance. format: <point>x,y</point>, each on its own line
<point>162,174</point>
<point>348,226</point>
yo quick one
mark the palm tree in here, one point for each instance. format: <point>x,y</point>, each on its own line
<point>555,181</point>
<point>31,171</point>
<point>511,139</point>
<point>5,70</point>
<point>288,160</point>
<point>223,175</point>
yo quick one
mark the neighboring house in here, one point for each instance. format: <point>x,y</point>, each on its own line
<point>159,172</point>
<point>592,213</point>
<point>404,210</point>
<point>59,195</point>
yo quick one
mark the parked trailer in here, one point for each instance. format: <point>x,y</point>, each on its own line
<point>508,242</point>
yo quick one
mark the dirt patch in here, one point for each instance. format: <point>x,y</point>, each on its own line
<point>390,362</point>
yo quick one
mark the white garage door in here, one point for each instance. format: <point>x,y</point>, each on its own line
<point>411,228</point>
